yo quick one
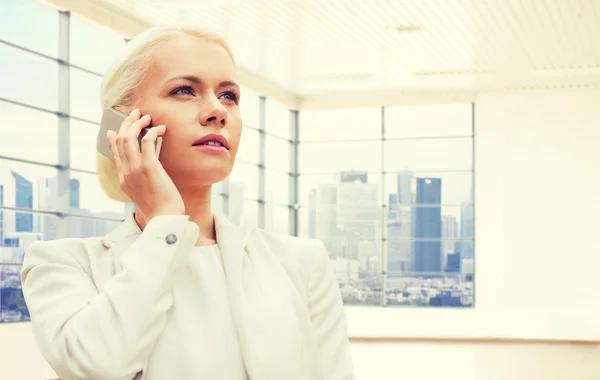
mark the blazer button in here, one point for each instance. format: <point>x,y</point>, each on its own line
<point>171,239</point>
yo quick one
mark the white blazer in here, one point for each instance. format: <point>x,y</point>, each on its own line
<point>98,305</point>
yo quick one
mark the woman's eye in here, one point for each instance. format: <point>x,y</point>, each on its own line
<point>186,90</point>
<point>232,96</point>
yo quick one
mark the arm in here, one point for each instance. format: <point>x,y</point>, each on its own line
<point>86,332</point>
<point>334,361</point>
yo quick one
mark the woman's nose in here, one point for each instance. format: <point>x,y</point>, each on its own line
<point>214,113</point>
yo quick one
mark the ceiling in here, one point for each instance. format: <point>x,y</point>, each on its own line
<point>339,52</point>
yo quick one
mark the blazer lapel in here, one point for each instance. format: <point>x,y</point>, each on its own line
<point>267,311</point>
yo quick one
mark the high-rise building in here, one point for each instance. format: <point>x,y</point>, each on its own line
<point>48,196</point>
<point>449,236</point>
<point>23,199</point>
<point>466,230</point>
<point>358,216</point>
<point>427,222</point>
<point>405,193</point>
<point>16,191</point>
<point>354,177</point>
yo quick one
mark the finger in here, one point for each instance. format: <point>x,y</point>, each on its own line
<point>129,120</point>
<point>112,143</point>
<point>121,148</point>
<point>149,141</point>
<point>131,146</point>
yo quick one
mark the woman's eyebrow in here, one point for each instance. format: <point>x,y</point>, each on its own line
<point>196,80</point>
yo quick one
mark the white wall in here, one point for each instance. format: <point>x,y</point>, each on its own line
<point>537,192</point>
<point>537,221</point>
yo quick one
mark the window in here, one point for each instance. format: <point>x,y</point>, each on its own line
<point>249,146</point>
<point>92,47</point>
<point>244,178</point>
<point>392,203</point>
<point>91,200</point>
<point>249,108</point>
<point>28,186</point>
<point>22,72</point>
<point>41,129</point>
<point>84,227</point>
<point>329,157</point>
<point>277,153</point>
<point>42,37</point>
<point>82,143</point>
<point>85,95</point>
<point>278,119</point>
<point>277,218</point>
<point>340,124</point>
<point>277,187</point>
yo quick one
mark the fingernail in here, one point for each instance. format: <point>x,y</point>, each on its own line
<point>146,117</point>
<point>135,112</point>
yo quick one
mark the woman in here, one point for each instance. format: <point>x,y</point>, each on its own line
<point>176,292</point>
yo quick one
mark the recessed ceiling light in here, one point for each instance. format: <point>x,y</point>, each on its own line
<point>404,28</point>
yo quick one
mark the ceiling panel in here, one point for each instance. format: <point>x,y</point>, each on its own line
<point>315,47</point>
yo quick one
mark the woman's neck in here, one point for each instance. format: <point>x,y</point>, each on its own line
<point>198,207</point>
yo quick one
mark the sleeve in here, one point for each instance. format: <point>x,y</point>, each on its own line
<point>85,332</point>
<point>334,360</point>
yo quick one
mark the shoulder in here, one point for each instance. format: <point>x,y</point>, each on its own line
<point>74,252</point>
<point>311,254</point>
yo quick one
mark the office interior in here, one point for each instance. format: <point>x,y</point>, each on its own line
<point>446,152</point>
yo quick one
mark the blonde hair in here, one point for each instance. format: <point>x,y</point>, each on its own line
<point>125,75</point>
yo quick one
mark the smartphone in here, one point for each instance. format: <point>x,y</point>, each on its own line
<point>112,120</point>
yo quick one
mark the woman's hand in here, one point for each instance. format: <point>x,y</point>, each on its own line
<point>141,175</point>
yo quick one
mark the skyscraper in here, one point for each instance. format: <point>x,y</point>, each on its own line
<point>466,230</point>
<point>405,188</point>
<point>23,199</point>
<point>427,253</point>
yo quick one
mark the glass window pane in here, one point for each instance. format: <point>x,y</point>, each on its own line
<point>443,290</point>
<point>277,187</point>
<point>92,47</point>
<point>22,72</point>
<point>325,188</point>
<point>85,95</point>
<point>42,37</point>
<point>306,222</point>
<point>92,200</point>
<point>249,108</point>
<point>41,129</point>
<point>333,223</point>
<point>277,154</point>
<point>28,186</point>
<point>277,218</point>
<point>243,181</point>
<point>246,215</point>
<point>357,289</point>
<point>340,124</point>
<point>83,145</point>
<point>12,303</point>
<point>331,157</point>
<point>249,145</point>
<point>81,227</point>
<point>217,188</point>
<point>217,203</point>
<point>278,119</point>
<point>429,154</point>
<point>18,230</point>
<point>424,236</point>
<point>454,187</point>
<point>440,120</point>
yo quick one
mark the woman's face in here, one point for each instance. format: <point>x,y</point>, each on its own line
<point>190,88</point>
